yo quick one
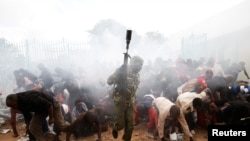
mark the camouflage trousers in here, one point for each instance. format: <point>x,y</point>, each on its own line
<point>124,118</point>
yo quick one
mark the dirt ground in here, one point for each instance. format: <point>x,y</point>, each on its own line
<point>139,134</point>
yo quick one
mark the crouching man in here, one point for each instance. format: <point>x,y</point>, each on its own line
<point>94,118</point>
<point>168,111</point>
<point>36,107</point>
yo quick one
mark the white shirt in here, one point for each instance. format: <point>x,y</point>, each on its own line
<point>185,100</point>
<point>163,106</point>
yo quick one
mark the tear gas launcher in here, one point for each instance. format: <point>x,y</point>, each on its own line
<point>123,70</point>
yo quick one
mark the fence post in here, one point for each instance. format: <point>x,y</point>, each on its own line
<point>27,54</point>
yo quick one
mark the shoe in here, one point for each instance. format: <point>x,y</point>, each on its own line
<point>192,132</point>
<point>150,135</point>
<point>114,133</point>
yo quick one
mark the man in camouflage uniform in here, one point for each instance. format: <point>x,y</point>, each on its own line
<point>124,100</point>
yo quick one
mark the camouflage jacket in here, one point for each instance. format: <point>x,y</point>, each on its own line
<point>133,81</point>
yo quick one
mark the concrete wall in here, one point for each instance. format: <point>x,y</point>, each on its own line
<point>228,34</point>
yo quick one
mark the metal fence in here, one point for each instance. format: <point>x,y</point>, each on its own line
<point>27,54</point>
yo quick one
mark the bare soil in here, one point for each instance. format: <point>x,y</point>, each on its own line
<point>139,134</point>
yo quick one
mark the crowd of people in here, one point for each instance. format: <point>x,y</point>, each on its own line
<point>167,94</point>
<point>207,92</point>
